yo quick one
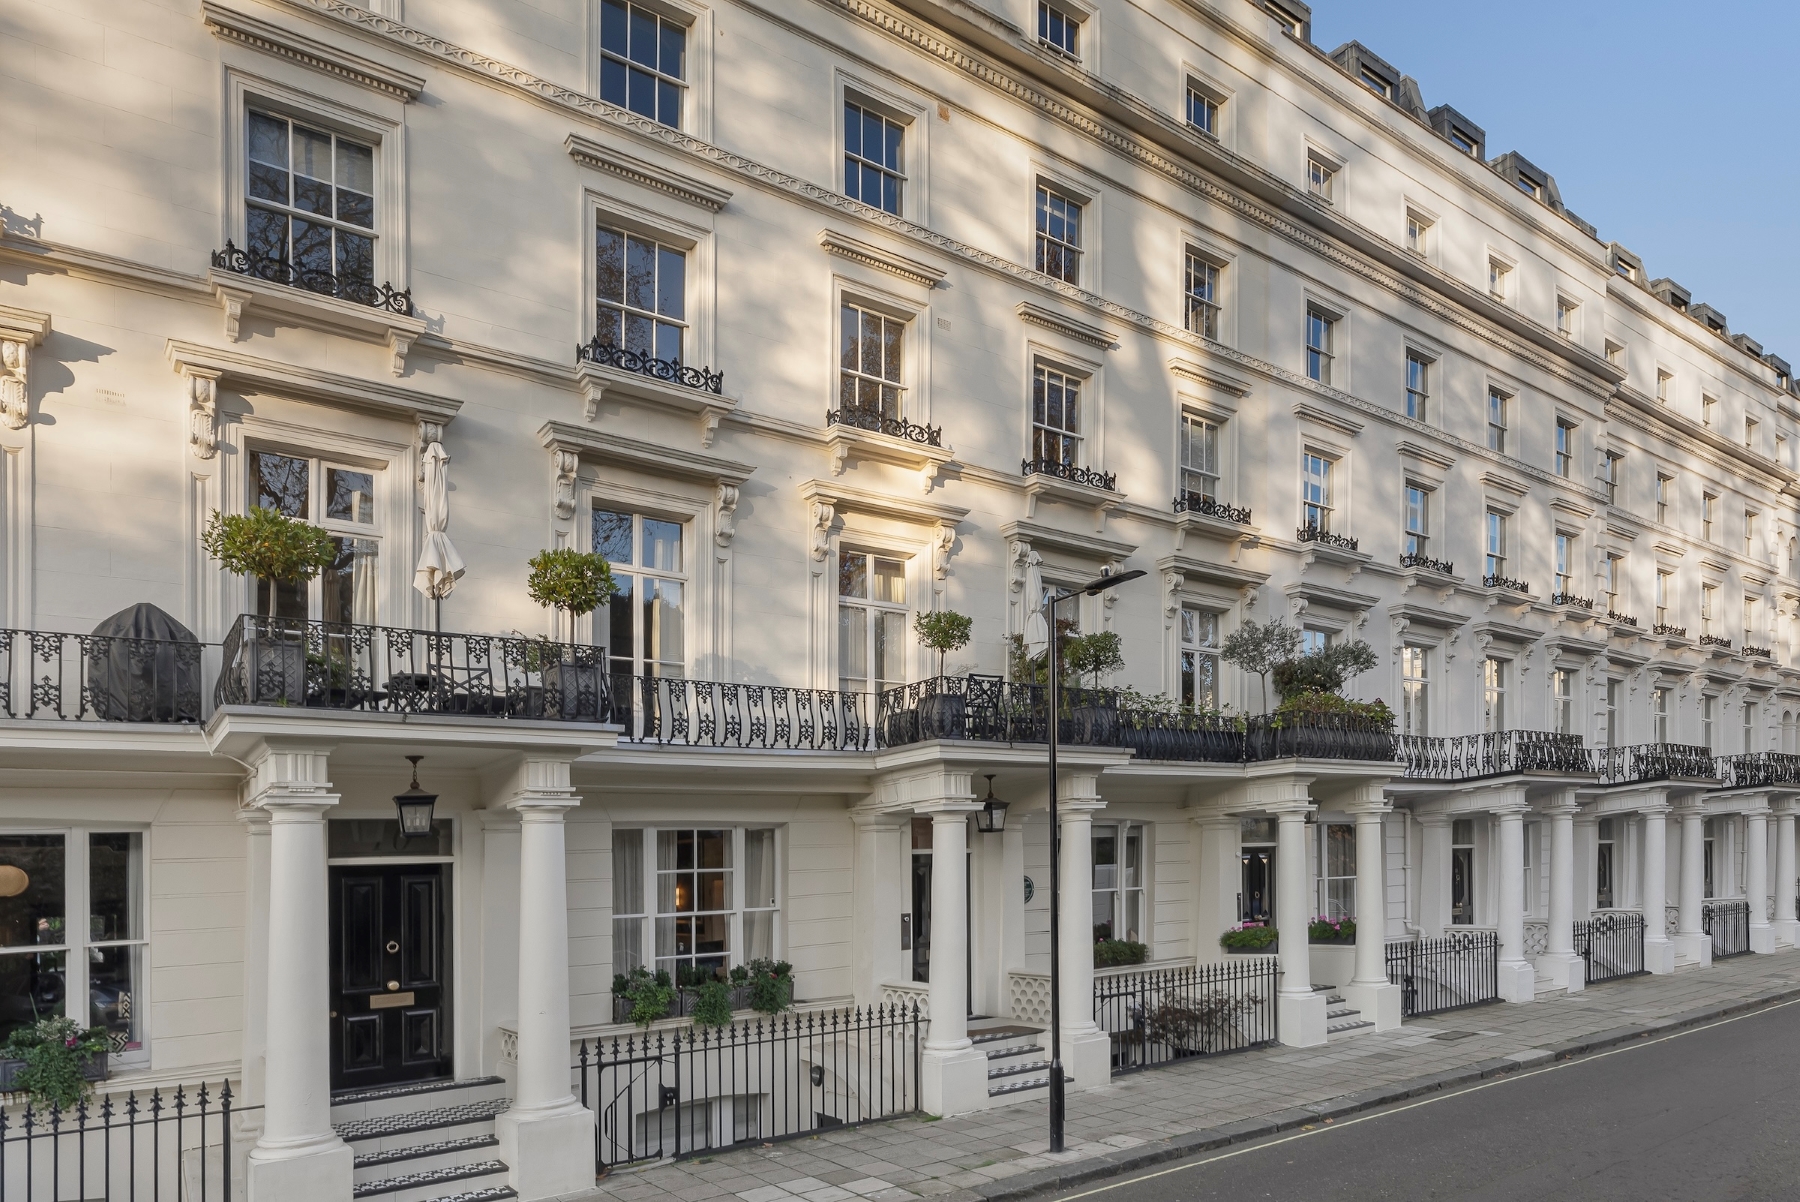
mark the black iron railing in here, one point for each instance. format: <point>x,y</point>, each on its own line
<point>1751,652</point>
<point>163,1144</point>
<point>1571,600</point>
<point>1728,922</point>
<point>1715,640</point>
<point>861,417</point>
<point>1622,619</point>
<point>675,1093</point>
<point>1212,507</point>
<point>1459,969</point>
<point>1161,1015</point>
<point>289,662</point>
<point>98,678</point>
<point>706,713</point>
<point>1654,761</point>
<point>1325,538</point>
<point>1758,770</point>
<point>1086,476</point>
<point>1611,945</point>
<point>1679,632</point>
<point>312,279</point>
<point>1497,753</point>
<point>1426,562</point>
<point>1509,583</point>
<point>643,363</point>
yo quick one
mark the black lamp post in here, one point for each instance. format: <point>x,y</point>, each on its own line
<point>415,806</point>
<point>990,819</point>
<point>1092,588</point>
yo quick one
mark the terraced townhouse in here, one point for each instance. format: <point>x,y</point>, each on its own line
<point>814,316</point>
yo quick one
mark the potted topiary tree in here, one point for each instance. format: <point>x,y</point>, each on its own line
<point>574,582</point>
<point>1094,714</point>
<point>267,544</point>
<point>940,713</point>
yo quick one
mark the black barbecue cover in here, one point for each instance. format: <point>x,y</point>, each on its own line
<point>143,666</point>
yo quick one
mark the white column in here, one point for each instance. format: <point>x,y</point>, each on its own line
<point>1369,989</point>
<point>1086,1050</point>
<point>1517,976</point>
<point>547,1136</point>
<point>298,1158</point>
<point>1785,919</point>
<point>1218,880</point>
<point>1434,875</point>
<point>1659,949</point>
<point>952,1073</point>
<point>1587,855</point>
<point>1692,944</point>
<point>878,902</point>
<point>1301,1010</point>
<point>246,1105</point>
<point>1560,963</point>
<point>1756,878</point>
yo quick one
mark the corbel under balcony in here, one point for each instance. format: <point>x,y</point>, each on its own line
<point>846,441</point>
<point>1433,575</point>
<point>599,380</point>
<point>239,295</point>
<point>1100,501</point>
<point>1237,536</point>
<point>1317,551</point>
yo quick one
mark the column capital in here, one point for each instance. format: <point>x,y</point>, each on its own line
<point>921,788</point>
<point>1079,791</point>
<point>944,809</point>
<point>1368,799</point>
<point>539,788</point>
<point>1280,793</point>
<point>1559,805</point>
<point>290,777</point>
<point>867,819</point>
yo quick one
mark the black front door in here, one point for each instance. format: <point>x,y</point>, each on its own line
<point>390,974</point>
<point>1256,903</point>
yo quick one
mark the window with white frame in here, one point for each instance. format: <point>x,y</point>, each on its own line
<point>1418,385</point>
<point>1709,504</point>
<point>1058,235</point>
<point>1562,700</point>
<point>1606,842</point>
<point>1199,457</point>
<point>1751,426</point>
<point>640,293</point>
<point>1416,540</point>
<point>1119,881</point>
<point>1615,583</point>
<point>1496,544</point>
<point>871,352</point>
<point>1709,706</point>
<point>1752,520</point>
<point>310,205</point>
<point>1750,623</point>
<point>1565,447</point>
<point>643,61</point>
<point>1321,178</point>
<point>1415,690</point>
<point>1337,870</point>
<point>1614,471</point>
<point>1615,712</point>
<point>1315,491</point>
<point>1203,108</point>
<point>694,902</point>
<point>1709,609</point>
<point>1709,405</point>
<point>1750,738</point>
<point>1055,417</point>
<point>1321,330</point>
<point>1418,234</point>
<point>1059,29</point>
<point>1499,279</point>
<point>871,622</point>
<point>1564,547</point>
<point>1665,498</point>
<point>1498,404</point>
<point>874,157</point>
<point>1565,316</point>
<point>73,932</point>
<point>1313,640</point>
<point>1662,596</point>
<point>644,633</point>
<point>1201,296</point>
<point>341,499</point>
<point>1493,694</point>
<point>1199,667</point>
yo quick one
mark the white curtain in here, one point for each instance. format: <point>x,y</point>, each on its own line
<point>439,564</point>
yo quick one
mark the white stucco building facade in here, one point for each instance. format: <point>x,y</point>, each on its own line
<point>888,309</point>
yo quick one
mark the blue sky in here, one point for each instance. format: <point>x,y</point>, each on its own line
<point>1671,125</point>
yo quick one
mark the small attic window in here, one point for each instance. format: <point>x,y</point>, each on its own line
<point>1376,84</point>
<point>1461,141</point>
<point>1530,188</point>
<point>1626,268</point>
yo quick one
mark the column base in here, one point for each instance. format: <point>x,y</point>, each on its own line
<point>1379,1003</point>
<point>1692,949</point>
<point>1087,1057</point>
<point>1300,1019</point>
<point>550,1151</point>
<point>1659,956</point>
<point>953,1081</point>
<point>1518,981</point>
<point>1785,932</point>
<point>1566,971</point>
<point>320,1172</point>
<point>1762,938</point>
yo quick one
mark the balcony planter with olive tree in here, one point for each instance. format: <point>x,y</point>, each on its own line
<point>576,583</point>
<point>265,544</point>
<point>942,715</point>
<point>1093,712</point>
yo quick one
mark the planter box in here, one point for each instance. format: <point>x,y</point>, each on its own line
<point>273,671</point>
<point>572,692</point>
<point>942,716</point>
<point>1270,950</point>
<point>1094,725</point>
<point>94,1070</point>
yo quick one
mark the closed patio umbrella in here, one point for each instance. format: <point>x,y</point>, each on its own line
<point>1037,631</point>
<point>439,564</point>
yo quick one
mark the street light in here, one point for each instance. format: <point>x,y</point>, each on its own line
<point>1092,588</point>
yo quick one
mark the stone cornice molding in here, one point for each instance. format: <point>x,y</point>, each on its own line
<point>1658,420</point>
<point>234,369</point>
<point>1646,304</point>
<point>241,27</point>
<point>585,442</point>
<point>1201,374</point>
<point>1068,327</point>
<point>1087,546</point>
<point>590,153</point>
<point>870,255</point>
<point>1595,376</point>
<point>911,510</point>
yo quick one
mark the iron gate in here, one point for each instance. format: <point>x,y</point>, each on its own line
<point>1611,945</point>
<point>1170,1014</point>
<point>1456,970</point>
<point>1728,922</point>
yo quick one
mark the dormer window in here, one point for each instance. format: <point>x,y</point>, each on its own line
<point>1626,268</point>
<point>1530,188</point>
<point>1461,141</point>
<point>1376,84</point>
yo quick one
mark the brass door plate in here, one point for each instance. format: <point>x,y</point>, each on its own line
<point>387,1001</point>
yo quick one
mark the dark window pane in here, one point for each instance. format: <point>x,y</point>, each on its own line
<point>668,103</point>
<point>355,838</point>
<point>115,885</point>
<point>267,234</point>
<point>619,640</point>
<point>612,535</point>
<point>290,598</point>
<point>642,94</point>
<point>113,974</point>
<point>871,136</point>
<point>643,37</point>
<point>612,81</point>
<point>893,146</point>
<point>312,246</point>
<point>31,877</point>
<point>640,334</point>
<point>609,264</point>
<point>672,59</point>
<point>355,167</point>
<point>847,351</point>
<point>890,194</point>
<point>853,574</point>
<point>356,259</point>
<point>606,326</point>
<point>31,988</point>
<point>279,482</point>
<point>356,208</point>
<point>852,129</point>
<point>871,185</point>
<point>312,195</point>
<point>349,496</point>
<point>269,140</point>
<point>640,273</point>
<point>671,282</point>
<point>668,342</point>
<point>852,173</point>
<point>268,183</point>
<point>613,26</point>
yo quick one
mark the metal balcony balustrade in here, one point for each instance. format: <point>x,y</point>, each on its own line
<point>313,279</point>
<point>1505,582</point>
<point>99,678</point>
<point>862,417</point>
<point>1496,753</point>
<point>1426,562</point>
<point>1085,476</point>
<point>643,363</point>
<point>1613,615</point>
<point>1325,538</point>
<point>1211,507</point>
<point>1654,762</point>
<point>1570,599</point>
<point>1715,640</point>
<point>1751,652</point>
<point>676,711</point>
<point>1679,632</point>
<point>1758,770</point>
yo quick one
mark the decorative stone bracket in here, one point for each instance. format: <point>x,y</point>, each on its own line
<point>203,409</point>
<point>20,330</point>
<point>725,525</point>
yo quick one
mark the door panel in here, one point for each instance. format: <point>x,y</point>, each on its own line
<point>390,957</point>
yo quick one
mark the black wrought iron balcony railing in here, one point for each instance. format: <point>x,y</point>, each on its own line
<point>1511,584</point>
<point>1325,538</point>
<point>1668,628</point>
<point>1426,563</point>
<point>1068,471</point>
<point>293,663</point>
<point>1496,753</point>
<point>1572,601</point>
<point>704,713</point>
<point>319,280</point>
<point>1211,507</point>
<point>1654,762</point>
<point>643,363</point>
<point>1613,615</point>
<point>99,678</point>
<point>1715,640</point>
<point>1758,652</point>
<point>861,417</point>
<point>1758,770</point>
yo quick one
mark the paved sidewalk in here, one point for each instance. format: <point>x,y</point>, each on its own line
<point>1184,1108</point>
